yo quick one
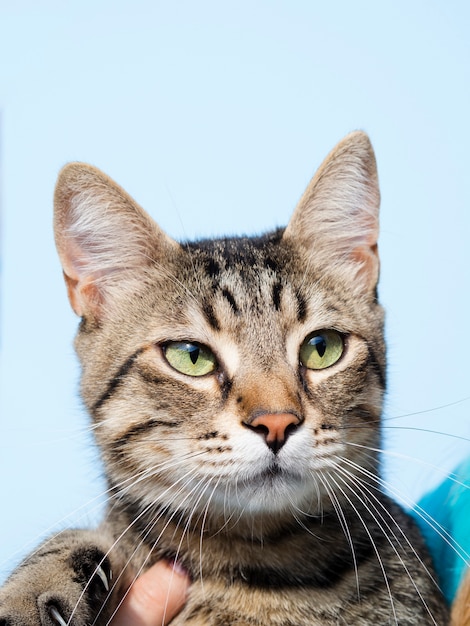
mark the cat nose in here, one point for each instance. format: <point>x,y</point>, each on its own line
<point>274,427</point>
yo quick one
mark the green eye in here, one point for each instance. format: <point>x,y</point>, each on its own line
<point>188,358</point>
<point>321,349</point>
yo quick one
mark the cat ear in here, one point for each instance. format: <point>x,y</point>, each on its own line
<point>104,239</point>
<point>336,222</point>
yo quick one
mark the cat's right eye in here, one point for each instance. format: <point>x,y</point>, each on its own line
<point>192,359</point>
<point>321,349</point>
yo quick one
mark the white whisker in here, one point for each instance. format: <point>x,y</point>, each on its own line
<point>386,529</point>
<point>144,511</point>
<point>374,546</point>
<point>344,525</point>
<point>143,539</point>
<point>399,495</point>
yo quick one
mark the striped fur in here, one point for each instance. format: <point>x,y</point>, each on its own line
<point>293,533</point>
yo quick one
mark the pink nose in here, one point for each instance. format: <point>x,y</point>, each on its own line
<point>274,427</point>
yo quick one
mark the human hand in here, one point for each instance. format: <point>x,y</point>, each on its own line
<point>155,597</point>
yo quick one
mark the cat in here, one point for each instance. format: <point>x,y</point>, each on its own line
<point>235,387</point>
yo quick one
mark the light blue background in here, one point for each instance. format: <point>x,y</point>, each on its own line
<point>214,115</point>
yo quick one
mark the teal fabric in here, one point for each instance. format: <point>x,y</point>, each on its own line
<point>448,537</point>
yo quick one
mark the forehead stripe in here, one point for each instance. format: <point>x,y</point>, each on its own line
<point>302,308</point>
<point>277,291</point>
<point>227,294</point>
<point>116,380</point>
<point>210,316</point>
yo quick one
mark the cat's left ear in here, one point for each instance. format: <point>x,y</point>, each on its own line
<point>336,222</point>
<point>106,241</point>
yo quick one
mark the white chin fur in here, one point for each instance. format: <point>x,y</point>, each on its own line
<point>265,494</point>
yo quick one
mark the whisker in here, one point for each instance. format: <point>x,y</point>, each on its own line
<point>344,525</point>
<point>144,511</point>
<point>98,500</point>
<point>406,457</point>
<point>383,419</point>
<point>425,411</point>
<point>422,513</point>
<point>367,487</point>
<point>147,558</point>
<point>374,546</point>
<point>387,531</point>
<point>418,429</point>
<point>201,534</point>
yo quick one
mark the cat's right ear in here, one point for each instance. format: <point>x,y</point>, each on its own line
<point>336,223</point>
<point>104,238</point>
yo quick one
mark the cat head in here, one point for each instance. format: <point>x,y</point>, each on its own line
<point>245,372</point>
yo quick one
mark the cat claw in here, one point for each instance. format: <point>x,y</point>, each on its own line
<point>54,612</point>
<point>103,577</point>
<point>57,616</point>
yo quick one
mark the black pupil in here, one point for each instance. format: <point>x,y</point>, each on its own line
<point>320,345</point>
<point>193,354</point>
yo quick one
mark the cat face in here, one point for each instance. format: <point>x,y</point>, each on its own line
<point>235,377</point>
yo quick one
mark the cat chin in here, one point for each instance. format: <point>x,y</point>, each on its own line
<point>271,492</point>
<point>276,499</point>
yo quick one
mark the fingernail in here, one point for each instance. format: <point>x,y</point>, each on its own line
<point>178,568</point>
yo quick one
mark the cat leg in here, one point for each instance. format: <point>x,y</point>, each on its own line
<point>74,578</point>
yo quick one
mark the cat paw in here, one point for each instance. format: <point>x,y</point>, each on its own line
<point>92,573</point>
<point>67,582</point>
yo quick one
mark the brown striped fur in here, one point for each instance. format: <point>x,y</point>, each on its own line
<point>262,476</point>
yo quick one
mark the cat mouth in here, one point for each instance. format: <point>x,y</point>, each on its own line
<point>270,490</point>
<point>275,474</point>
<point>273,470</point>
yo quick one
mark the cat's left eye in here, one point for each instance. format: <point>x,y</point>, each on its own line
<point>321,349</point>
<point>192,359</point>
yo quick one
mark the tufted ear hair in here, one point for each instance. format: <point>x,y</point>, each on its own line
<point>104,239</point>
<point>336,222</point>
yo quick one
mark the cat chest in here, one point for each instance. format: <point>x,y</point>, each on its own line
<point>214,604</point>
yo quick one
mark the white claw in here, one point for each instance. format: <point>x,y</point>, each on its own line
<point>102,575</point>
<point>57,616</point>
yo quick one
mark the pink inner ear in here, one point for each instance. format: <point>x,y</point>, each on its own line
<point>336,220</point>
<point>104,239</point>
<point>84,298</point>
<point>82,289</point>
<point>367,259</point>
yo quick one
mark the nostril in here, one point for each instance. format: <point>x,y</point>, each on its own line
<point>290,429</point>
<point>275,428</point>
<point>260,428</point>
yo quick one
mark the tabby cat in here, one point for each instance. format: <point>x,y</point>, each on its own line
<point>235,387</point>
